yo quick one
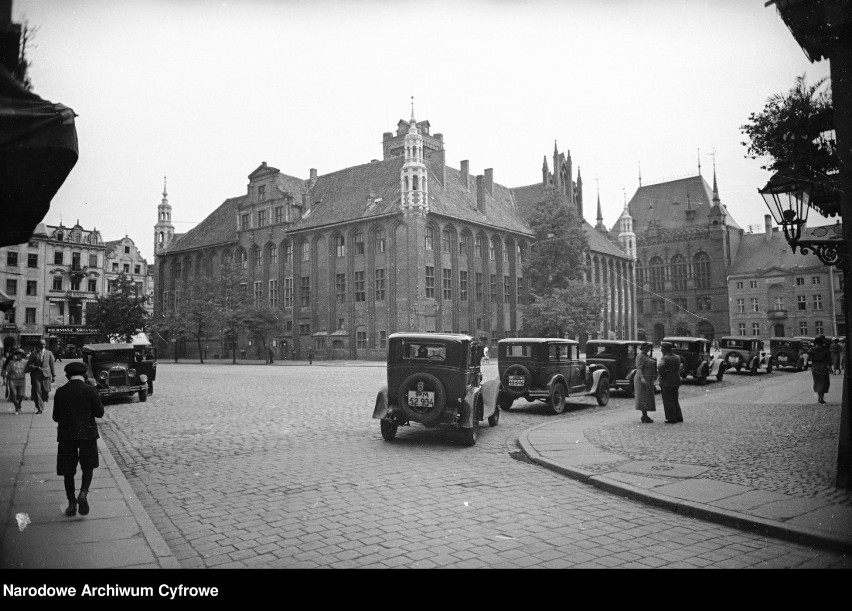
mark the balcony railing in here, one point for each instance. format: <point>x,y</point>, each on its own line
<point>777,314</point>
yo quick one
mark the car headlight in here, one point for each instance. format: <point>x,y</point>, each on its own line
<point>131,373</point>
<point>103,375</point>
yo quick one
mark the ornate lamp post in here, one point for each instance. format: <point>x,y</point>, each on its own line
<point>789,201</point>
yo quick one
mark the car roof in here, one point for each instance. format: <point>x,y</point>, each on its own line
<point>537,340</point>
<point>805,337</point>
<point>686,338</point>
<point>615,342</point>
<point>742,337</point>
<point>785,339</point>
<point>457,337</point>
<point>101,347</point>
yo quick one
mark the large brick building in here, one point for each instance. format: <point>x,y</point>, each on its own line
<point>404,243</point>
<point>686,242</point>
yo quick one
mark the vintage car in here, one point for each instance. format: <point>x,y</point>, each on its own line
<point>745,353</point>
<point>807,344</point>
<point>549,369</point>
<point>112,370</point>
<point>619,357</point>
<point>786,352</point>
<point>435,379</point>
<point>696,359</point>
<point>146,363</point>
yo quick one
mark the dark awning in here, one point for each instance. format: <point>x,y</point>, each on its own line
<point>38,149</point>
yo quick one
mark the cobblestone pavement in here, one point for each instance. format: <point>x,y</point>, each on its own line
<point>268,467</point>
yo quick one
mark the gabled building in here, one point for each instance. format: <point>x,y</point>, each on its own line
<point>685,242</point>
<point>775,292</point>
<point>123,257</point>
<point>405,243</point>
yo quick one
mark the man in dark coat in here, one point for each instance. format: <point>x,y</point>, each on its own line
<point>670,384</point>
<point>75,407</point>
<point>40,365</point>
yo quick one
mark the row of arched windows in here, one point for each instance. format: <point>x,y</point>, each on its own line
<point>678,270</point>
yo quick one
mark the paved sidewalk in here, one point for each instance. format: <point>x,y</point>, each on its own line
<point>760,458</point>
<point>36,534</point>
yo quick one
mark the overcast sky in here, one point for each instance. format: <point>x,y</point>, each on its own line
<point>203,92</point>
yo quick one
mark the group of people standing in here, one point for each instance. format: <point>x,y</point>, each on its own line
<point>644,381</point>
<point>40,365</point>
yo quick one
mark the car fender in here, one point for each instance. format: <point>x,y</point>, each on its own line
<point>467,416</point>
<point>558,378</point>
<point>490,391</point>
<point>381,409</point>
<point>143,378</point>
<point>597,374</point>
<point>716,366</point>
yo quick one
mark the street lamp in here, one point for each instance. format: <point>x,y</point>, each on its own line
<point>789,200</point>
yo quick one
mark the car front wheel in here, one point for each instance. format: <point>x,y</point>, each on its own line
<point>389,429</point>
<point>602,393</point>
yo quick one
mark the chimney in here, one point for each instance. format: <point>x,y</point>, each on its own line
<point>313,176</point>
<point>480,193</point>
<point>489,181</point>
<point>440,167</point>
<point>465,168</point>
<point>306,203</point>
<point>767,222</point>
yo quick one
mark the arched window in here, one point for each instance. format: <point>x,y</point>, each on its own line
<point>340,246</point>
<point>243,260</point>
<point>445,240</point>
<point>273,254</point>
<point>492,249</point>
<point>288,252</point>
<point>701,265</point>
<point>678,264</point>
<point>257,257</point>
<point>657,274</point>
<point>358,240</point>
<point>414,182</point>
<point>430,238</point>
<point>380,240</point>
<point>306,251</point>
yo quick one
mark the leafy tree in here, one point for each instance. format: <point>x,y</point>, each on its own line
<point>170,327</point>
<point>200,310</point>
<point>121,314</point>
<point>791,131</point>
<point>260,321</point>
<point>569,311</point>
<point>558,254</point>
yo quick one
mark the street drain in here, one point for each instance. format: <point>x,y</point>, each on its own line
<point>520,456</point>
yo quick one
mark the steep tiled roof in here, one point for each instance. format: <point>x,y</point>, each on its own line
<point>598,243</point>
<point>219,227</point>
<point>756,256</point>
<point>667,202</point>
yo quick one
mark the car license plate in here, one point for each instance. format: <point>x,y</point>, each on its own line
<point>517,381</point>
<point>119,389</point>
<point>782,358</point>
<point>421,398</point>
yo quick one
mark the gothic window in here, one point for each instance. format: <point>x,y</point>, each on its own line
<point>358,240</point>
<point>701,265</point>
<point>463,245</point>
<point>678,273</point>
<point>340,246</point>
<point>445,240</point>
<point>657,274</point>
<point>430,238</point>
<point>380,240</point>
<point>306,251</point>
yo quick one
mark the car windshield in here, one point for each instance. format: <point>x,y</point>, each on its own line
<point>733,343</point>
<point>601,350</point>
<point>688,346</point>
<point>422,350</point>
<point>109,355</point>
<point>783,343</point>
<point>516,351</point>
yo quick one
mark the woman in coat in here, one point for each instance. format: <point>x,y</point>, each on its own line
<point>820,360</point>
<point>643,381</point>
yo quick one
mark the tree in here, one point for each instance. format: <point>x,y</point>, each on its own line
<point>200,310</point>
<point>558,253</point>
<point>563,312</point>
<point>121,314</point>
<point>260,321</point>
<point>795,132</point>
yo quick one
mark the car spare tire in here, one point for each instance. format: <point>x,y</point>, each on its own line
<point>426,383</point>
<point>516,371</point>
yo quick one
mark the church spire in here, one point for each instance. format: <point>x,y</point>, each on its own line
<point>164,230</point>
<point>699,161</point>
<point>165,194</point>
<point>413,175</point>
<point>640,173</point>
<point>600,224</point>
<point>715,185</point>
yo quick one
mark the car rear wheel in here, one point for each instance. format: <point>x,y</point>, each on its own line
<point>423,414</point>
<point>494,418</point>
<point>389,429</point>
<point>504,401</point>
<point>469,436</point>
<point>143,395</point>
<point>720,375</point>
<point>602,393</point>
<point>557,399</point>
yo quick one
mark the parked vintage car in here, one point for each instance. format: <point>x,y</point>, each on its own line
<point>696,358</point>
<point>786,352</point>
<point>549,369</point>
<point>745,353</point>
<point>619,357</point>
<point>807,344</point>
<point>112,370</point>
<point>435,379</point>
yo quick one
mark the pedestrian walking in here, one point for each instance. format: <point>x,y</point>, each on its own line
<point>643,381</point>
<point>670,383</point>
<point>4,358</point>
<point>310,356</point>
<point>75,407</point>
<point>820,360</point>
<point>485,356</point>
<point>271,356</point>
<point>836,349</point>
<point>16,378</point>
<point>41,366</point>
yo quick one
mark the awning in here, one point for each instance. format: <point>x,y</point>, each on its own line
<point>38,149</point>
<point>6,302</point>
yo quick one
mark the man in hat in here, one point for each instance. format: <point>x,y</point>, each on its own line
<point>75,407</point>
<point>42,373</point>
<point>670,383</point>
<point>16,378</point>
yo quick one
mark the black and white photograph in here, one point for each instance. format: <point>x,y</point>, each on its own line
<point>374,284</point>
